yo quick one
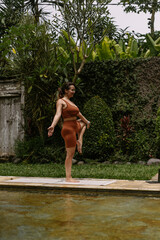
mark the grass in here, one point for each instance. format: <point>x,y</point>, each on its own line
<point>101,171</point>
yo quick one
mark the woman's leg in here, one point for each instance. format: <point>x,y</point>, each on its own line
<point>68,164</point>
<point>80,136</point>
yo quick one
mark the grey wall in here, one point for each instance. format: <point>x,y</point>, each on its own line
<point>11,115</point>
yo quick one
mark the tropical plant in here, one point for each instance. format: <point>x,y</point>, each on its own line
<point>109,49</point>
<point>124,135</point>
<point>78,21</point>
<point>106,26</point>
<point>100,139</point>
<point>106,49</point>
<point>31,55</point>
<point>36,9</point>
<point>154,46</point>
<point>10,14</point>
<point>126,127</point>
<point>131,50</point>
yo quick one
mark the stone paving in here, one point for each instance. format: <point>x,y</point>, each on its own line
<point>129,187</point>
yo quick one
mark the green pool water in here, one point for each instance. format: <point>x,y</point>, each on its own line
<point>47,216</point>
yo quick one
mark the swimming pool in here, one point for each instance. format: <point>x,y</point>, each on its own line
<point>49,216</point>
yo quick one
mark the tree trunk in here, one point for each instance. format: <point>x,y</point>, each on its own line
<point>152,22</point>
<point>79,70</point>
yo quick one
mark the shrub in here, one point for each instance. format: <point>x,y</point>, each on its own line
<point>121,157</point>
<point>157,131</point>
<point>142,146</point>
<point>135,144</point>
<point>99,139</point>
<point>124,135</point>
<point>34,150</point>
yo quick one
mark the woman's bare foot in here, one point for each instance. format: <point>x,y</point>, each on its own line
<point>79,146</point>
<point>71,180</point>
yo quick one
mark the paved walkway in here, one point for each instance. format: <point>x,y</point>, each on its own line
<point>129,187</point>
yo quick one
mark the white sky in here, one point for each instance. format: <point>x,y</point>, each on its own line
<point>134,22</point>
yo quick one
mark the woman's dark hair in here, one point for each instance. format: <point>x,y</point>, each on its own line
<point>64,87</point>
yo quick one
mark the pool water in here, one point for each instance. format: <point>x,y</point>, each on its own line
<point>48,216</point>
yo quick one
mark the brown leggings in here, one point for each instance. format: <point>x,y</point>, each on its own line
<point>69,131</point>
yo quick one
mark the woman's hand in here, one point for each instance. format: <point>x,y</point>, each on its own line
<point>50,131</point>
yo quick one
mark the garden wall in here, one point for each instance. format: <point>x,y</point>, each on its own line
<point>130,88</point>
<point>127,86</point>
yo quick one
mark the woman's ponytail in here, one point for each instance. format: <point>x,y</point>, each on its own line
<point>60,93</point>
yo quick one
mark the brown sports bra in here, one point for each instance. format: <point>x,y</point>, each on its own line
<point>70,110</point>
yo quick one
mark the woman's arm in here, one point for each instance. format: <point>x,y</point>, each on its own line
<point>56,118</point>
<point>84,119</point>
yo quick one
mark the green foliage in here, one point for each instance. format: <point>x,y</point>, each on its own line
<point>158,124</point>
<point>129,87</point>
<point>80,22</point>
<point>120,157</point>
<point>142,145</point>
<point>140,5</point>
<point>131,50</point>
<point>31,54</point>
<point>105,49</point>
<point>124,136</point>
<point>154,46</point>
<point>26,150</point>
<point>34,150</point>
<point>110,49</point>
<point>99,139</point>
<point>157,132</point>
<point>105,25</point>
<point>114,82</point>
<point>139,145</point>
<point>10,14</point>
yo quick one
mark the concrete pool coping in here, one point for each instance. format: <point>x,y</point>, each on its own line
<point>115,186</point>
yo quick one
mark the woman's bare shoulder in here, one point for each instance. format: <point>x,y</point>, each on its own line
<point>60,102</point>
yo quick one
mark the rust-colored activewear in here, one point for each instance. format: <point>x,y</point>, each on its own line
<point>70,127</point>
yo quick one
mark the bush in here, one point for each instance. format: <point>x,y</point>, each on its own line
<point>142,146</point>
<point>99,139</point>
<point>124,135</point>
<point>135,144</point>
<point>34,150</point>
<point>157,131</point>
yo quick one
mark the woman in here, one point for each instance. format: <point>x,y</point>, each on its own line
<point>71,126</point>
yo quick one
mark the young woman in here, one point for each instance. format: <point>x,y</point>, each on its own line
<point>71,126</point>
